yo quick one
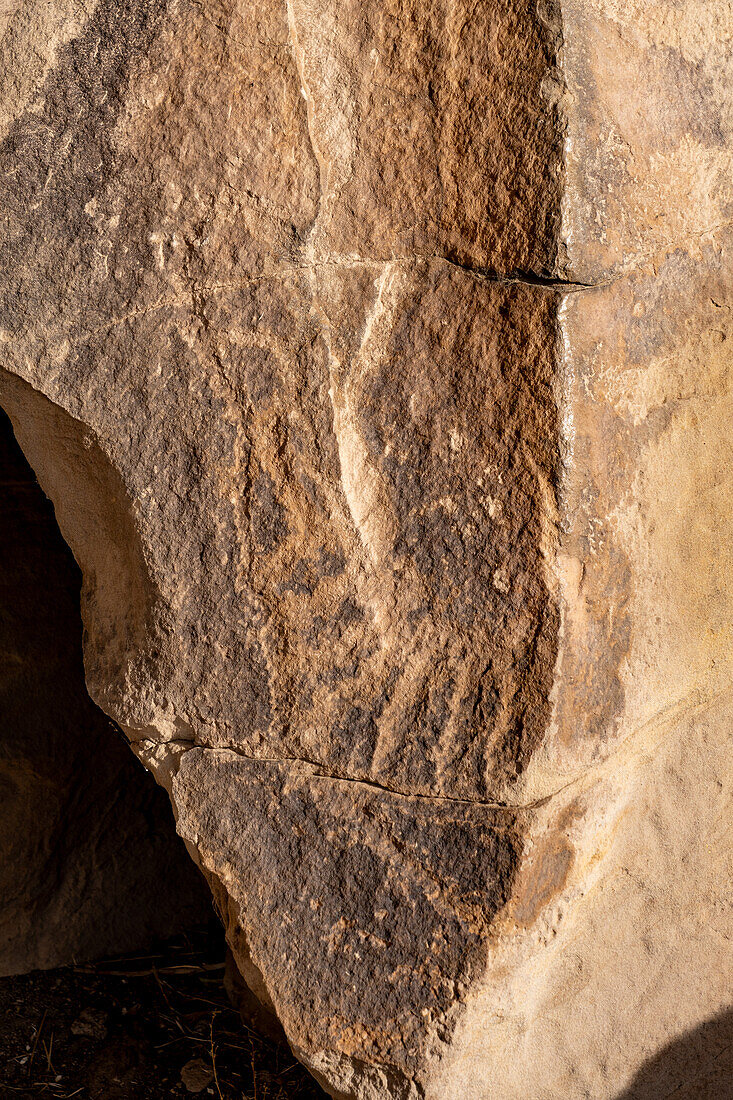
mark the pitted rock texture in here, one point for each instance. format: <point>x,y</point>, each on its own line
<point>332,481</point>
<point>367,354</point>
<point>394,872</point>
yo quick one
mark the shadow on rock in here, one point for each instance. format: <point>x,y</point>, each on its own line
<point>697,1066</point>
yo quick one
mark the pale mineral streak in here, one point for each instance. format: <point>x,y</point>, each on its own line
<point>375,359</point>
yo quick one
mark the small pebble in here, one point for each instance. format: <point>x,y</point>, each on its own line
<point>196,1075</point>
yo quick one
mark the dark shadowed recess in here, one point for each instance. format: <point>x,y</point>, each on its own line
<point>155,1026</point>
<point>90,863</point>
<point>697,1066</point>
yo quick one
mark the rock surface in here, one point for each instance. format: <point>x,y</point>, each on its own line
<point>375,360</point>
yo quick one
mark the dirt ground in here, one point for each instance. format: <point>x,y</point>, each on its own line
<point>139,1028</point>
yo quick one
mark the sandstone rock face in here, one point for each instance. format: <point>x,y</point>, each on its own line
<point>375,360</point>
<point>89,860</point>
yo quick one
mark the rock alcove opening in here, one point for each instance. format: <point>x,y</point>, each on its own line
<point>90,863</point>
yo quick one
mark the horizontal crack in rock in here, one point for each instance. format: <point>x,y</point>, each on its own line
<point>691,702</point>
<point>524,278</point>
<point>187,746</point>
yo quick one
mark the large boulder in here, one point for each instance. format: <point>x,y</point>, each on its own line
<point>374,357</point>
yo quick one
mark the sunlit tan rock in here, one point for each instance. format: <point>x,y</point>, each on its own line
<point>375,360</point>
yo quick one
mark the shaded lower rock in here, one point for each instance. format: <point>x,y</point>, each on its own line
<point>360,916</point>
<point>89,859</point>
